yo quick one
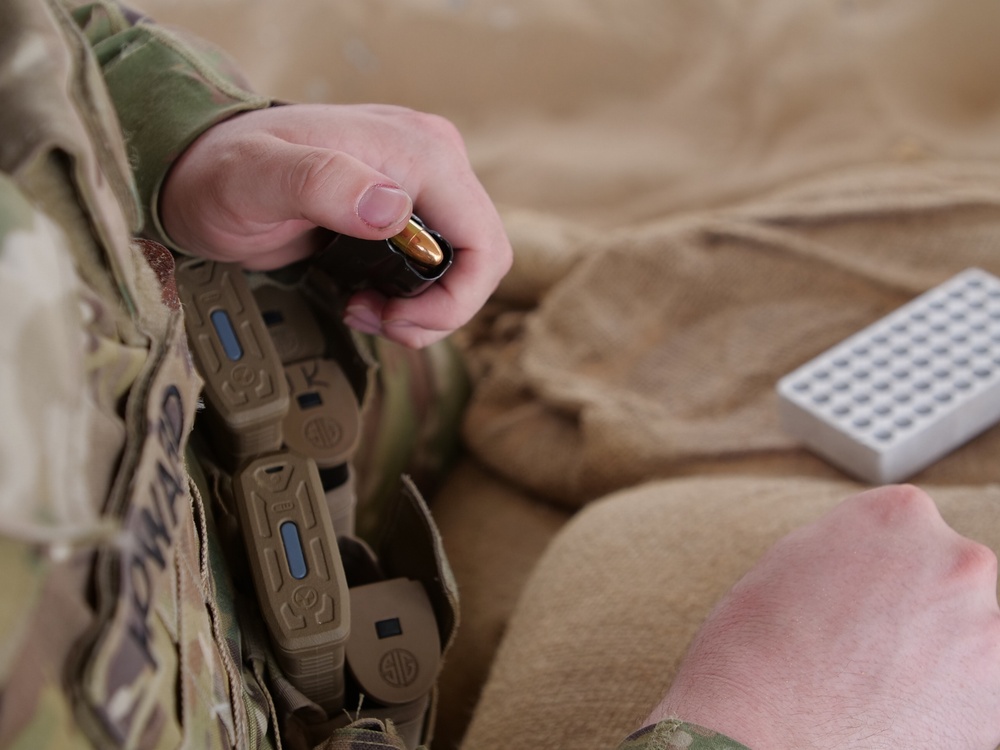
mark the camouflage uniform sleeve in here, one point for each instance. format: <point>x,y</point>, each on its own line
<point>167,90</point>
<point>672,734</point>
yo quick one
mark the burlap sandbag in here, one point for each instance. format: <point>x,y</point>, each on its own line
<point>493,535</point>
<point>659,355</point>
<point>612,606</point>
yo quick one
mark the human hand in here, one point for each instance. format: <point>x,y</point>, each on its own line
<point>875,627</point>
<point>254,189</point>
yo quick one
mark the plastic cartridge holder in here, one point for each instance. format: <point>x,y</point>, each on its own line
<point>244,379</point>
<point>395,649</point>
<point>297,571</point>
<point>907,390</point>
<point>401,266</point>
<point>293,327</point>
<point>323,420</point>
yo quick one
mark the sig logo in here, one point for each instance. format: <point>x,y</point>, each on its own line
<point>323,432</point>
<point>399,668</point>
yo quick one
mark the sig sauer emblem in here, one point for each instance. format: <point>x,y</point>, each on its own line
<point>399,668</point>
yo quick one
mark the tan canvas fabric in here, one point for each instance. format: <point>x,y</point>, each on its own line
<point>659,356</point>
<point>493,535</point>
<point>701,195</point>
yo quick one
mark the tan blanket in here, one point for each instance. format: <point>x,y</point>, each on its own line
<point>702,195</point>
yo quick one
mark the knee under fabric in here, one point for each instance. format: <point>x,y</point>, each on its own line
<point>283,420</point>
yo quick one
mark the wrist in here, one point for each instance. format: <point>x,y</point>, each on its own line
<point>725,707</point>
<point>671,733</point>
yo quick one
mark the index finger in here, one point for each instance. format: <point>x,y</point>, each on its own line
<point>463,213</point>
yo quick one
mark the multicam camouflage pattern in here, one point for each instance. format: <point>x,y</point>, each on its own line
<point>99,396</point>
<point>367,734</point>
<point>676,735</point>
<point>120,624</point>
<point>411,424</point>
<point>144,66</point>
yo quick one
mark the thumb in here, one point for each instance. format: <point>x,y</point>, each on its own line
<point>328,188</point>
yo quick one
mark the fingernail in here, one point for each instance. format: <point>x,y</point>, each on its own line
<point>383,205</point>
<point>362,319</point>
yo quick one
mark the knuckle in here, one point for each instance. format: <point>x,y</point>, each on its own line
<point>974,560</point>
<point>896,504</point>
<point>910,497</point>
<point>437,128</point>
<point>312,172</point>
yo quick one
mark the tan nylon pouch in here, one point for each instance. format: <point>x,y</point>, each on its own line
<point>405,548</point>
<point>408,546</point>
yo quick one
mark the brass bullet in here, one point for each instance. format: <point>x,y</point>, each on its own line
<point>417,244</point>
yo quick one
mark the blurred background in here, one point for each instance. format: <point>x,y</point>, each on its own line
<point>614,112</point>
